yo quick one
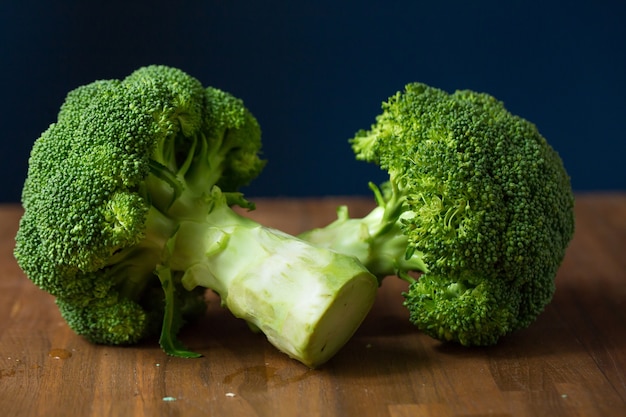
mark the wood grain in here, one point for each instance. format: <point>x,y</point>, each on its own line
<point>571,362</point>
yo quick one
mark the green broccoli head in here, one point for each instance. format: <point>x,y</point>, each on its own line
<point>487,205</point>
<point>99,196</point>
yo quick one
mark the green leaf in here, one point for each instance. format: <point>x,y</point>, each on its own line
<point>172,318</point>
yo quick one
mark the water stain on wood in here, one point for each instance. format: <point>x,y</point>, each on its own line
<point>59,354</point>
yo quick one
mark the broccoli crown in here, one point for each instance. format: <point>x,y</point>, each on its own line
<point>102,180</point>
<point>488,204</point>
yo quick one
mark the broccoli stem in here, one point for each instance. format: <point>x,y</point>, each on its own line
<point>133,268</point>
<point>376,240</point>
<point>308,301</point>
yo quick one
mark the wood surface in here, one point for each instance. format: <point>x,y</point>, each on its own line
<point>570,362</point>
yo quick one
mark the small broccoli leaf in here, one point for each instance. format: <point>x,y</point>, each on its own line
<point>237,199</point>
<point>172,318</point>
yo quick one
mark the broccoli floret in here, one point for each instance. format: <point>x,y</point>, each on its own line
<point>478,205</point>
<point>128,219</point>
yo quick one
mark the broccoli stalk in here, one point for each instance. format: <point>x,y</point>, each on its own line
<point>376,239</point>
<point>477,203</point>
<point>128,219</point>
<point>308,301</point>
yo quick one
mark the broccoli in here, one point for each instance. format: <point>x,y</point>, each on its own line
<point>128,219</point>
<point>476,214</point>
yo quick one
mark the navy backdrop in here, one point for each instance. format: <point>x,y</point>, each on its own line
<point>314,72</point>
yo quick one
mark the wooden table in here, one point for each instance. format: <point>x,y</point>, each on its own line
<point>571,362</point>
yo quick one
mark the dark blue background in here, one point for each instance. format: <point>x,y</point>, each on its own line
<point>314,72</point>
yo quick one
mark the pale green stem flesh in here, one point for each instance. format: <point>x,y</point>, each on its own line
<point>308,301</point>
